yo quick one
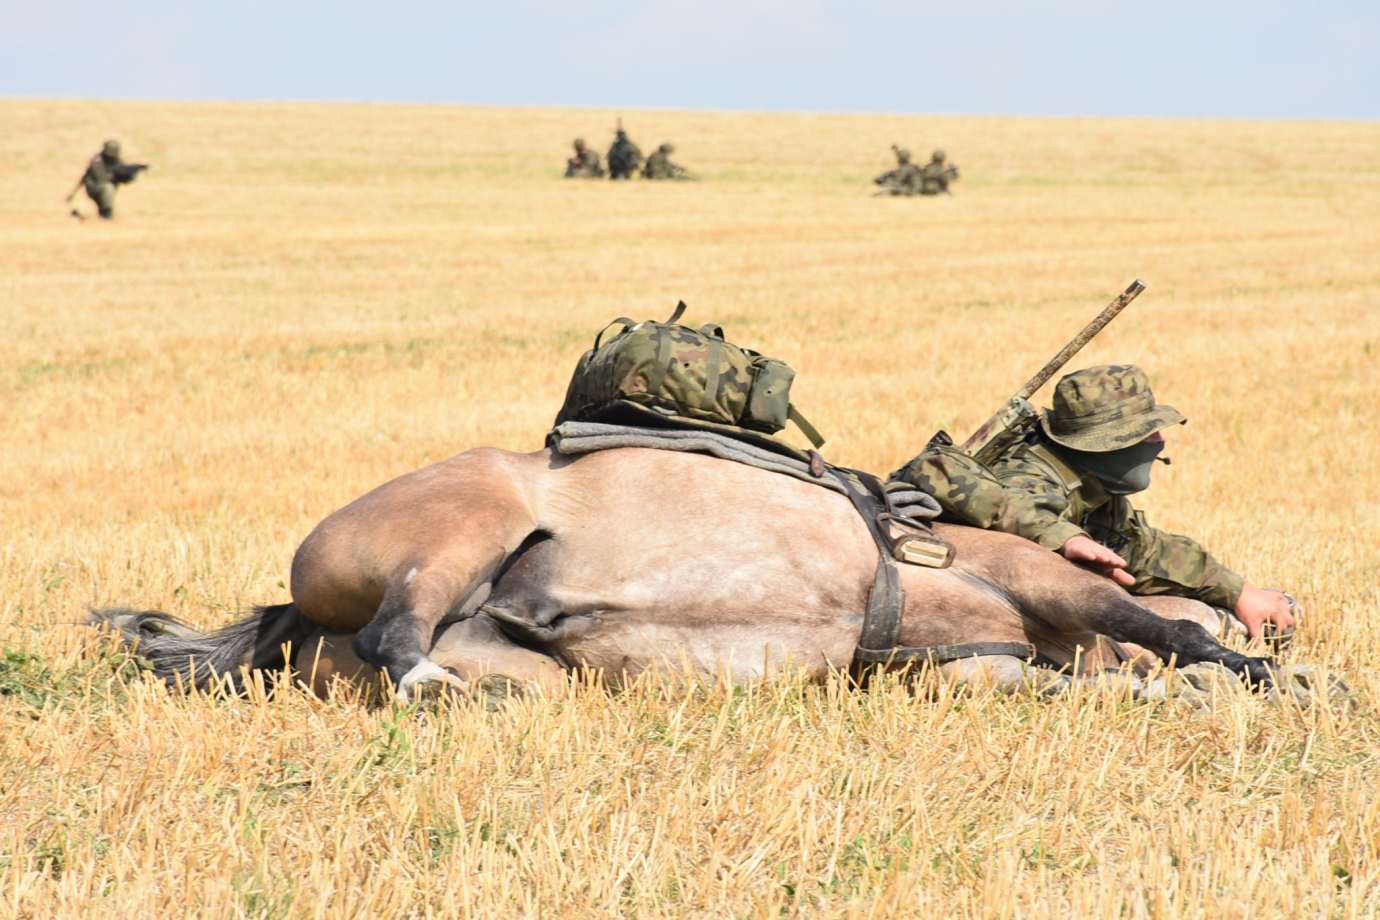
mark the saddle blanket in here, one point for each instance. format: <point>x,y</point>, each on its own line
<point>574,438</point>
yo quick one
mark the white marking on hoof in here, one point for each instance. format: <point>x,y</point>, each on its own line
<point>426,672</point>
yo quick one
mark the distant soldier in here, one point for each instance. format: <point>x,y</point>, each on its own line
<point>905,179</point>
<point>937,175</point>
<point>624,156</point>
<point>105,171</point>
<point>659,165</point>
<point>584,164</point>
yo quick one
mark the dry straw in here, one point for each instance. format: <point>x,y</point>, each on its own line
<point>299,302</point>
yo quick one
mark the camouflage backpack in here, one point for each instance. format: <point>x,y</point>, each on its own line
<point>677,375</point>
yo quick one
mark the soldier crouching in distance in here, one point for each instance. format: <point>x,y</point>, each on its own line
<point>1066,486</point>
<point>905,179</point>
<point>103,173</point>
<point>936,175</point>
<point>584,164</point>
<point>660,166</point>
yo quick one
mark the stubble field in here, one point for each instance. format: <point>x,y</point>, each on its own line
<point>301,301</point>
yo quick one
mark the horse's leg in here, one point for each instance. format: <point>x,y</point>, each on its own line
<point>422,549</point>
<point>474,649</point>
<point>1172,608</point>
<point>450,584</point>
<point>1059,596</point>
<point>1075,600</point>
<point>477,650</point>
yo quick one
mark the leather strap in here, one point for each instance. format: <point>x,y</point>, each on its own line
<point>886,601</point>
<point>935,655</point>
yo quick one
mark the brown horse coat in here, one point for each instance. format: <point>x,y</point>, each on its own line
<point>624,560</point>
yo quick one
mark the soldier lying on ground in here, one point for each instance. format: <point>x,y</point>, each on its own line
<point>584,164</point>
<point>659,165</point>
<point>1066,487</point>
<point>905,179</point>
<point>105,171</point>
<point>624,157</point>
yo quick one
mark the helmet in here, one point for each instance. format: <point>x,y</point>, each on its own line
<point>902,155</point>
<point>111,150</point>
<point>666,148</point>
<point>937,156</point>
<point>1105,408</point>
<point>579,143</point>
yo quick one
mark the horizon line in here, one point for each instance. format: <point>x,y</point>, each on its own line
<point>861,113</point>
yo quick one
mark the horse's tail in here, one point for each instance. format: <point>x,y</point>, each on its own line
<point>185,657</point>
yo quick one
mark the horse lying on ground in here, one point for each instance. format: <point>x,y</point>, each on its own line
<point>530,565</point>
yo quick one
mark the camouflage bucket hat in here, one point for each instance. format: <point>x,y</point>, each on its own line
<point>1105,408</point>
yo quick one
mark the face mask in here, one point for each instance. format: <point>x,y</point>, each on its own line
<point>1121,472</point>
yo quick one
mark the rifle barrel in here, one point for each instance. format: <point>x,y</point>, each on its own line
<point>994,424</point>
<point>1076,344</point>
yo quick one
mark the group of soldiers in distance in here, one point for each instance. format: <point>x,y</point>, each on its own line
<point>625,161</point>
<point>107,170</point>
<point>910,179</point>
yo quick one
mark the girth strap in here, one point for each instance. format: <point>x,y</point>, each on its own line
<point>936,655</point>
<point>886,600</point>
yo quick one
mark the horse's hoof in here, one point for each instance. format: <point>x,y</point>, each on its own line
<point>1260,672</point>
<point>1199,684</point>
<point>1303,684</point>
<point>428,682</point>
<point>493,690</point>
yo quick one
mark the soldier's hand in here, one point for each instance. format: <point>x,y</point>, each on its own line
<point>1258,606</point>
<point>1087,551</point>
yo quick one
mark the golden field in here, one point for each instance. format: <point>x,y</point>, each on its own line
<point>300,301</point>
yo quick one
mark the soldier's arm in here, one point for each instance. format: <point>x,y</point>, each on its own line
<point>1168,563</point>
<point>1037,506</point>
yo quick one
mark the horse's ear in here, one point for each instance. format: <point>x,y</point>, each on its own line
<point>680,311</point>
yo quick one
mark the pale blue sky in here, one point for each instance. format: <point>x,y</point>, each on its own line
<point>1262,59</point>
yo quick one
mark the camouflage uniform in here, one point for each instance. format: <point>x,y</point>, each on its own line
<point>905,179</point>
<point>105,171</point>
<point>937,175</point>
<point>659,165</point>
<point>1040,488</point>
<point>584,164</point>
<point>624,157</point>
<point>99,179</point>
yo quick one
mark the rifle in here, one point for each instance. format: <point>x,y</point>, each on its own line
<point>1014,420</point>
<point>121,173</point>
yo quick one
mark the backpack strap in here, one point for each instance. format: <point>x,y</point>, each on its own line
<point>793,414</point>
<point>622,322</point>
<point>663,358</point>
<point>711,372</point>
